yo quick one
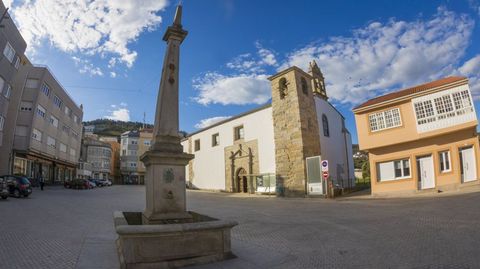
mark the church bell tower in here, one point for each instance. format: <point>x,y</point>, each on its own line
<point>318,81</point>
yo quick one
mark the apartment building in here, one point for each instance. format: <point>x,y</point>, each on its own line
<point>115,175</point>
<point>11,60</point>
<point>133,145</point>
<point>47,127</point>
<point>99,155</point>
<point>422,138</point>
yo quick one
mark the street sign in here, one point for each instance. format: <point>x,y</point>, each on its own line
<point>325,175</point>
<point>325,165</point>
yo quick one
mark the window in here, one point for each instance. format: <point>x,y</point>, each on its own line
<point>132,152</point>
<point>57,101</point>
<point>31,83</point>
<point>147,142</point>
<point>8,91</point>
<point>385,120</point>
<point>51,142</point>
<point>132,164</point>
<point>134,142</point>
<point>75,118</point>
<point>63,147</point>
<point>65,128</point>
<point>17,62</point>
<point>37,135</point>
<point>9,52</point>
<point>239,133</point>
<point>53,121</point>
<point>74,134</point>
<point>197,145</point>
<point>68,111</point>
<point>304,85</point>
<point>26,106</point>
<point>326,131</point>
<point>2,122</point>
<point>73,152</point>
<point>2,84</point>
<point>282,87</point>
<point>45,89</point>
<point>215,140</point>
<point>41,111</point>
<point>393,170</point>
<point>444,161</point>
<point>444,107</point>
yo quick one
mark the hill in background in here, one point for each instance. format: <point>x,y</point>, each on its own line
<point>106,127</point>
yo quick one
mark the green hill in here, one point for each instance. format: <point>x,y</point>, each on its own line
<point>106,127</point>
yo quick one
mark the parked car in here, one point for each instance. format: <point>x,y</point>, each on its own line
<point>78,184</point>
<point>103,182</point>
<point>3,188</point>
<point>92,183</point>
<point>18,186</point>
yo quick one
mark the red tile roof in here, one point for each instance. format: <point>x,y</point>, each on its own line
<point>409,91</point>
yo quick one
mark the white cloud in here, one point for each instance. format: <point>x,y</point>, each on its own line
<point>236,89</point>
<point>89,27</point>
<point>247,85</point>
<point>471,69</point>
<point>385,56</point>
<point>210,121</point>
<point>87,67</point>
<point>113,74</point>
<point>121,113</point>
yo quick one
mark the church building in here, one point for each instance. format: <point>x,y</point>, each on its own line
<point>278,147</point>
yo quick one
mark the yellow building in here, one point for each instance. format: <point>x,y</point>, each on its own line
<point>421,139</point>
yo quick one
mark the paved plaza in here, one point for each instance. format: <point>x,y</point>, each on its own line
<point>61,228</point>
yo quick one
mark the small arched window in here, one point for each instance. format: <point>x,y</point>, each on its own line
<point>326,131</point>
<point>304,85</point>
<point>282,87</point>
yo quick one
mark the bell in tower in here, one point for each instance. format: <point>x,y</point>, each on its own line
<point>318,81</point>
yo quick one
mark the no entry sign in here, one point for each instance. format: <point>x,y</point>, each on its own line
<point>325,174</point>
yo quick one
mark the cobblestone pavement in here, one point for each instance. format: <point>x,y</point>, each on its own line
<point>60,228</point>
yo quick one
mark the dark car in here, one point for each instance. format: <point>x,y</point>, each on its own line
<point>102,182</point>
<point>3,188</point>
<point>18,186</point>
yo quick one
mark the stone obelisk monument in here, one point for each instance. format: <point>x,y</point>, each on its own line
<point>165,161</point>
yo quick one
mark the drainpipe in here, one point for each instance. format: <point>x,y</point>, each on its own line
<point>346,156</point>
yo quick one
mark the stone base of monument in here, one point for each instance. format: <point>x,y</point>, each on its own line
<point>172,244</point>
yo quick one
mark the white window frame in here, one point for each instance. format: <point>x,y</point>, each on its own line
<point>17,62</point>
<point>51,142</point>
<point>2,122</point>
<point>41,111</point>
<point>45,89</point>
<point>445,160</point>
<point>8,91</point>
<point>9,52</point>
<point>37,135</point>
<point>57,101</point>
<point>54,121</point>
<point>378,120</point>
<point>402,167</point>
<point>2,84</point>
<point>63,147</point>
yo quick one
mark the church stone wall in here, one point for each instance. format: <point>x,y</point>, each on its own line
<point>296,131</point>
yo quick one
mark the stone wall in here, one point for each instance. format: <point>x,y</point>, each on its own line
<point>296,131</point>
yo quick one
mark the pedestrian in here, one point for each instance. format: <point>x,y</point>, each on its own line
<point>42,182</point>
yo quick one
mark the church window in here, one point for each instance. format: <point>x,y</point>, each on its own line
<point>304,85</point>
<point>215,140</point>
<point>197,145</point>
<point>238,133</point>
<point>282,88</point>
<point>326,131</point>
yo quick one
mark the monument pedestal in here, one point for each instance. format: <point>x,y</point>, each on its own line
<point>165,186</point>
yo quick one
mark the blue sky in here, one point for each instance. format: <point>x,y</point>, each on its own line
<point>108,55</point>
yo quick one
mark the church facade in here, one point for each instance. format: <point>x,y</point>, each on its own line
<point>276,148</point>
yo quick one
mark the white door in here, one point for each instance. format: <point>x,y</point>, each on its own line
<point>468,164</point>
<point>426,172</point>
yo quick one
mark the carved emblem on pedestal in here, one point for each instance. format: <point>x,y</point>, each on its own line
<point>168,175</point>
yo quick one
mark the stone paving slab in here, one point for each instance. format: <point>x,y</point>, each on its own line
<point>61,228</point>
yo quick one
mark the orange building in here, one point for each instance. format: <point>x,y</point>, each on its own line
<point>421,139</point>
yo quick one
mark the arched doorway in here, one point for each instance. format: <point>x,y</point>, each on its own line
<point>242,182</point>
